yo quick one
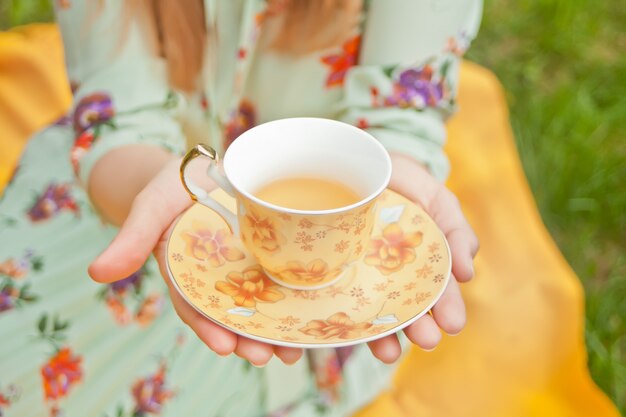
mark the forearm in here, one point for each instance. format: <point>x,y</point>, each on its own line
<point>121,174</point>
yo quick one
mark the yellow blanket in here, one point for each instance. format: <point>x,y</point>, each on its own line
<point>522,353</point>
<point>33,88</point>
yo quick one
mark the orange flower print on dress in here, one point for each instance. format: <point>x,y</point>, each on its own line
<point>14,285</point>
<point>340,63</point>
<point>13,269</point>
<point>127,301</point>
<point>249,287</point>
<point>337,326</point>
<point>264,231</point>
<point>214,247</point>
<point>61,372</point>
<point>8,396</point>
<point>149,309</point>
<point>119,311</point>
<point>394,249</point>
<point>3,401</point>
<point>315,271</point>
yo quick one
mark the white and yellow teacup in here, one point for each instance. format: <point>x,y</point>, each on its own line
<point>300,249</point>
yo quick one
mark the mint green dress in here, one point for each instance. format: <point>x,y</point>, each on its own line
<point>73,347</point>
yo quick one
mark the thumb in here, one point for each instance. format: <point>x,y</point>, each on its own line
<point>151,214</point>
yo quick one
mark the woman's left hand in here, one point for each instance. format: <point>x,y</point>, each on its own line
<point>415,182</point>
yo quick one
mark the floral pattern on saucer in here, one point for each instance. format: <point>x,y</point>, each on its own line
<point>402,272</point>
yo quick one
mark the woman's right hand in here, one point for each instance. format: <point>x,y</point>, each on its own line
<point>145,231</point>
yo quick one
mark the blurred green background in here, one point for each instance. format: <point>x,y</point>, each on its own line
<point>563,64</point>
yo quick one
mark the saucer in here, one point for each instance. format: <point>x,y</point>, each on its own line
<point>399,277</point>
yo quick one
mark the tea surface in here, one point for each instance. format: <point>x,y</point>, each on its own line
<point>307,194</point>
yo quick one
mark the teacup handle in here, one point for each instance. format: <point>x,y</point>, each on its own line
<point>199,194</point>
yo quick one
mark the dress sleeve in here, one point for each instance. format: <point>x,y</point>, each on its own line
<point>404,86</point>
<point>122,95</point>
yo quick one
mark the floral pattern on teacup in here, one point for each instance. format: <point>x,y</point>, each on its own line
<point>265,234</point>
<point>304,250</point>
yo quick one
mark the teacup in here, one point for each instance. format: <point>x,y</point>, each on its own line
<point>299,249</point>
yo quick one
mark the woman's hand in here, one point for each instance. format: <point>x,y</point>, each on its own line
<point>155,208</point>
<point>415,182</point>
<point>145,230</point>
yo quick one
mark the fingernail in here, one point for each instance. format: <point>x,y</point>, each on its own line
<point>259,365</point>
<point>429,350</point>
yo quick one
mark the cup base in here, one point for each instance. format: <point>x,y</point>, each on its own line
<point>306,288</point>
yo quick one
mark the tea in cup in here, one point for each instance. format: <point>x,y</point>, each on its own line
<point>306,190</point>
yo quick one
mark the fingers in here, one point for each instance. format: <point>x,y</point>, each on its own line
<point>463,247</point>
<point>424,332</point>
<point>151,214</point>
<point>257,353</point>
<point>449,312</point>
<point>414,182</point>
<point>224,342</point>
<point>387,349</point>
<point>463,242</point>
<point>288,355</point>
<point>448,315</point>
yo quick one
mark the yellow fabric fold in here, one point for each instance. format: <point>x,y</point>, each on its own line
<point>33,88</point>
<point>522,353</point>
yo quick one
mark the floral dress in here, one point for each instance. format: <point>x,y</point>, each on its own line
<point>73,347</point>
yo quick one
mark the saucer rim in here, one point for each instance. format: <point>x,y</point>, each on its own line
<point>277,342</point>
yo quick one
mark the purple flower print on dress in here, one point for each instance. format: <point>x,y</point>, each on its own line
<point>416,88</point>
<point>7,296</point>
<point>91,110</point>
<point>14,285</point>
<point>65,120</point>
<point>242,119</point>
<point>132,281</point>
<point>150,393</point>
<point>120,295</point>
<point>55,198</point>
<point>343,354</point>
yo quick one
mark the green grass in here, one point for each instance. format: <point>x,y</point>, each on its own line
<point>18,12</point>
<point>563,64</point>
